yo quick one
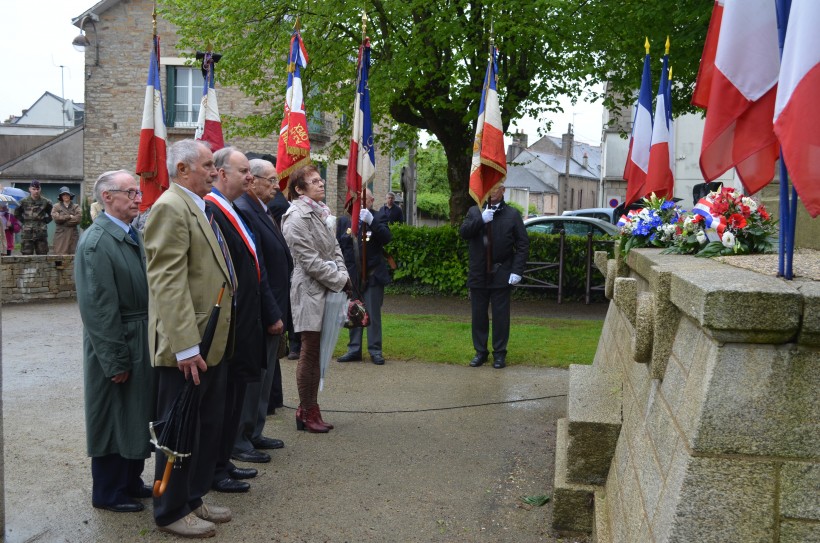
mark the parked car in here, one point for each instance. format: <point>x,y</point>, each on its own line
<point>573,226</point>
<point>604,213</point>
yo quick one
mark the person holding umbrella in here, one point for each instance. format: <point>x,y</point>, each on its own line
<point>319,268</point>
<point>187,263</point>
<point>112,292</point>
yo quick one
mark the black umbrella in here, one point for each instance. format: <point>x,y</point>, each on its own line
<point>174,434</point>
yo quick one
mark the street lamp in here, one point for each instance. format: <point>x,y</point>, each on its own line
<point>82,41</point>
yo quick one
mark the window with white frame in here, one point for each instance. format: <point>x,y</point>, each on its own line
<point>184,96</point>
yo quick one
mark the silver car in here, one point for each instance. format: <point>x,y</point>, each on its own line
<point>572,226</point>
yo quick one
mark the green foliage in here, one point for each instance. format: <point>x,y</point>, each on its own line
<point>431,169</point>
<point>434,205</point>
<point>438,258</point>
<point>517,207</point>
<point>86,221</point>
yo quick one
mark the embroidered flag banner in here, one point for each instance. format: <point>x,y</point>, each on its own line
<point>151,165</point>
<point>637,159</point>
<point>209,125</point>
<point>489,164</point>
<point>741,89</point>
<point>361,162</point>
<point>797,110</point>
<point>294,142</point>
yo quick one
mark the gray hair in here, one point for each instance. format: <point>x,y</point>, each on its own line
<point>106,182</point>
<point>258,165</point>
<point>393,194</point>
<point>222,156</point>
<point>183,152</point>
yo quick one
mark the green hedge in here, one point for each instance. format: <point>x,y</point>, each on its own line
<point>435,258</point>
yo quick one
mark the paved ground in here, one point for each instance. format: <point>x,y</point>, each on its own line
<point>420,453</point>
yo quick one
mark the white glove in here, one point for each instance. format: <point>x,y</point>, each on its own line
<point>333,265</point>
<point>487,215</point>
<point>366,216</point>
<point>515,278</point>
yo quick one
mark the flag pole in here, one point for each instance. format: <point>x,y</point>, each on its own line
<point>788,205</point>
<point>488,229</point>
<point>363,194</point>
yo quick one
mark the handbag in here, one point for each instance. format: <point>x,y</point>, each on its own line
<point>283,349</point>
<point>356,316</point>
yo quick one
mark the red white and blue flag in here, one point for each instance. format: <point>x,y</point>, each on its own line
<point>741,86</point>
<point>489,164</point>
<point>361,162</point>
<point>637,160</point>
<point>151,165</point>
<point>294,141</point>
<point>797,109</point>
<point>659,177</point>
<point>209,125</point>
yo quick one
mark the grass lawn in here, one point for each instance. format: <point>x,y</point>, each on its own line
<point>555,343</point>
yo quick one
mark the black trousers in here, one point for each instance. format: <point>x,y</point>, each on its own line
<point>115,479</point>
<point>191,476</point>
<point>481,299</point>
<point>234,400</point>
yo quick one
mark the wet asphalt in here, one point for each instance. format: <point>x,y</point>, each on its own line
<point>421,452</point>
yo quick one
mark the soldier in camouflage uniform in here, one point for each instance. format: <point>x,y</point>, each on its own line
<point>34,212</point>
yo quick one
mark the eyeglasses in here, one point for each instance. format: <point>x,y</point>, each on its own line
<point>316,181</point>
<point>132,193</point>
<point>273,179</point>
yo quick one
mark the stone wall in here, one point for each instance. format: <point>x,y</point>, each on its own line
<point>30,278</point>
<point>700,417</point>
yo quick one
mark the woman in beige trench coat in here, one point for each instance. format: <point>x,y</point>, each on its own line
<point>318,268</point>
<point>67,215</point>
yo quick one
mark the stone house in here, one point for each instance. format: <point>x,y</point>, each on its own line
<point>560,173</point>
<point>119,32</point>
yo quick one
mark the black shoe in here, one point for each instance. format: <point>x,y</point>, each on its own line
<point>254,456</point>
<point>478,360</point>
<point>231,485</point>
<point>498,362</point>
<point>242,473</point>
<point>127,507</point>
<point>377,359</point>
<point>293,355</point>
<point>350,357</point>
<point>267,443</point>
<point>143,492</point>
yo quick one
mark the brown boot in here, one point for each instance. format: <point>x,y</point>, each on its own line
<point>329,426</point>
<point>310,421</point>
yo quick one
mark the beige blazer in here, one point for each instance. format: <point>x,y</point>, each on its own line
<point>186,269</point>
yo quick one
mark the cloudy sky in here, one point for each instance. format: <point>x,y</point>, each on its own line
<point>37,42</point>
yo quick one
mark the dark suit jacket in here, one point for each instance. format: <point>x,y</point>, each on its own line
<point>380,235</point>
<point>250,301</point>
<point>510,246</point>
<point>272,244</point>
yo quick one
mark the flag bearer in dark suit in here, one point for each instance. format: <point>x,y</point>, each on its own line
<point>498,247</point>
<point>112,291</point>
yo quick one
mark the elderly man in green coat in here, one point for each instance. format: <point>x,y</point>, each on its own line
<point>112,290</point>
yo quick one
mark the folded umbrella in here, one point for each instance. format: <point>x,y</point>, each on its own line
<point>332,322</point>
<point>174,434</point>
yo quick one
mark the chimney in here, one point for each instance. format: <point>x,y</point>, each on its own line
<point>519,144</point>
<point>586,161</point>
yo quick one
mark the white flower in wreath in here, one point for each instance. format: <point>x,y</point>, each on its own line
<point>701,236</point>
<point>750,203</point>
<point>728,240</point>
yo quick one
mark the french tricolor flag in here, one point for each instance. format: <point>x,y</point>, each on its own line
<point>637,161</point>
<point>489,163</point>
<point>361,162</point>
<point>209,125</point>
<point>151,154</point>
<point>738,87</point>
<point>659,177</point>
<point>797,109</point>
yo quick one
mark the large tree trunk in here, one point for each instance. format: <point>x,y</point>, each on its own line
<point>458,175</point>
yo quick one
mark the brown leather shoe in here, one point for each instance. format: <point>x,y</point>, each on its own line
<point>190,526</point>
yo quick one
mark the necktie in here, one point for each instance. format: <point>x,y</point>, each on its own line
<point>225,254</point>
<point>133,234</point>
